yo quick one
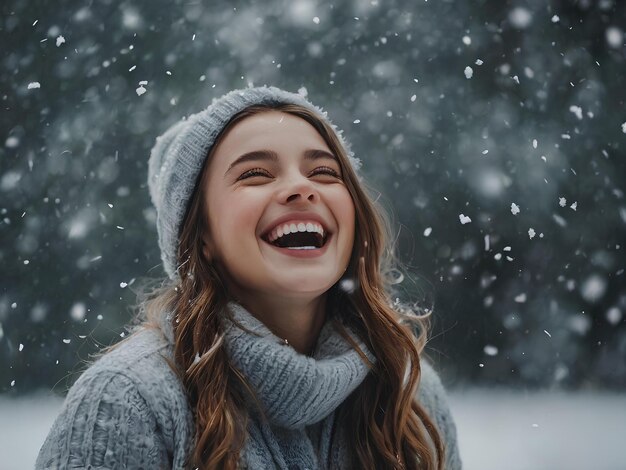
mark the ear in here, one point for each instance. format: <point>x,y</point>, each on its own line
<point>207,247</point>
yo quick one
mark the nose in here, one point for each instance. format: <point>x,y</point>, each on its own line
<point>299,190</point>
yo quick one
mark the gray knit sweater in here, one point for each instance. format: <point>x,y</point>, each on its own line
<point>129,409</point>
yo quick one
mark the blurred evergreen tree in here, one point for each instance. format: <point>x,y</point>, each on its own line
<point>457,109</point>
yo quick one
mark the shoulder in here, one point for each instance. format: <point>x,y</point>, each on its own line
<point>129,396</point>
<point>432,396</point>
<point>143,361</point>
<point>142,357</point>
<point>431,392</point>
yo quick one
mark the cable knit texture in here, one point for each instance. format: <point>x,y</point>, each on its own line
<point>129,409</point>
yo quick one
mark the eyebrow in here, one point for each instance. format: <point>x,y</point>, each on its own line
<point>270,155</point>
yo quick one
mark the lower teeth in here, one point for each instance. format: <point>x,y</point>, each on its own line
<point>301,247</point>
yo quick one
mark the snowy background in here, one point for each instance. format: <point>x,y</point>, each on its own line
<point>494,131</point>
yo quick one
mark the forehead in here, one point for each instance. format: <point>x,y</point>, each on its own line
<point>269,130</point>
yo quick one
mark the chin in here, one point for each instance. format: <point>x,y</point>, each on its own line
<point>305,285</point>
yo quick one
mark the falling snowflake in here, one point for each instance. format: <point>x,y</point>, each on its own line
<point>555,19</point>
<point>428,231</point>
<point>531,233</point>
<point>490,350</point>
<point>514,208</point>
<point>78,311</point>
<point>593,288</point>
<point>12,142</point>
<point>577,110</point>
<point>347,285</point>
<point>464,219</point>
<point>614,36</point>
<point>573,206</point>
<point>60,40</point>
<point>33,85</point>
<point>562,202</point>
<point>614,315</point>
<point>520,17</point>
<point>469,73</point>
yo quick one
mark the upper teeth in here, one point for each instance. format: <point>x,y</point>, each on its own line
<point>292,227</point>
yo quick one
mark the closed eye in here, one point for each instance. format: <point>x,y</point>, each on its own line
<point>325,170</point>
<point>322,170</point>
<point>254,172</point>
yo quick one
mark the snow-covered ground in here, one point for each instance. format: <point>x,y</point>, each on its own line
<point>541,431</point>
<point>497,430</point>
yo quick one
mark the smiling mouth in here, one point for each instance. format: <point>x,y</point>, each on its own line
<point>298,240</point>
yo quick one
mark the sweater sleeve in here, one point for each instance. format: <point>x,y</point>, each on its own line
<point>432,397</point>
<point>104,423</point>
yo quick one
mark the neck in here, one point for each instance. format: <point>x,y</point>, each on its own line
<point>297,321</point>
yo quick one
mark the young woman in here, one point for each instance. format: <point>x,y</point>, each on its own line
<point>275,343</point>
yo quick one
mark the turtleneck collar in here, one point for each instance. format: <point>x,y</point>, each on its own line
<point>293,389</point>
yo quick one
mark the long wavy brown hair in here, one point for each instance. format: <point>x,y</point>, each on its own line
<point>389,427</point>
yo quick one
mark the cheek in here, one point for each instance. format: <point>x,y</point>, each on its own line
<point>348,203</point>
<point>243,209</point>
<point>232,216</point>
<point>346,213</point>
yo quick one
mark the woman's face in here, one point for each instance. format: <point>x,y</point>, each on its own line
<point>281,220</point>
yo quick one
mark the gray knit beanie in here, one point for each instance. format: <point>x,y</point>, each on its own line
<point>178,156</point>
